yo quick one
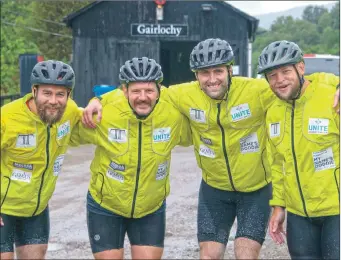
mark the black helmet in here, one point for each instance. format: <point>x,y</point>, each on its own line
<point>210,52</point>
<point>277,54</point>
<point>140,69</point>
<point>53,72</point>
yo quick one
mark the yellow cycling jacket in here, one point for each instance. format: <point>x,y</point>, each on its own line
<point>304,140</point>
<point>130,170</point>
<point>229,135</point>
<point>32,155</point>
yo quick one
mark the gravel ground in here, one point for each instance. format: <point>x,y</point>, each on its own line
<point>69,238</point>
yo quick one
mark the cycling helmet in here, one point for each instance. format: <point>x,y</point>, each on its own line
<point>277,54</point>
<point>140,69</point>
<point>210,52</point>
<point>52,72</point>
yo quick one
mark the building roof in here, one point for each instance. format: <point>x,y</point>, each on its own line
<point>253,21</point>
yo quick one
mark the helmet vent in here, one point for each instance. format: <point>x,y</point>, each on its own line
<point>61,75</point>
<point>284,52</point>
<point>201,57</point>
<point>54,66</point>
<point>45,73</point>
<point>209,56</point>
<point>273,56</point>
<point>71,77</point>
<point>294,54</point>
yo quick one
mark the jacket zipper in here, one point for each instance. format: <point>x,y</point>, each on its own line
<point>138,169</point>
<point>47,165</point>
<point>224,148</point>
<point>294,156</point>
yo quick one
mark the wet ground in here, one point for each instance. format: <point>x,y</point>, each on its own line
<point>69,237</point>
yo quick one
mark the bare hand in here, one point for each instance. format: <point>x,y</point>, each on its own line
<point>336,100</point>
<point>1,222</point>
<point>276,225</point>
<point>92,108</point>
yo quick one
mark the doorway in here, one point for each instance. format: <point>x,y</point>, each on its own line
<point>174,59</point>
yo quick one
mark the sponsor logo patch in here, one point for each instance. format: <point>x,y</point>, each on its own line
<point>20,175</point>
<point>249,144</point>
<point>58,163</point>
<point>63,130</point>
<point>324,159</point>
<point>118,167</point>
<point>318,126</point>
<point>161,134</point>
<point>240,112</point>
<point>205,151</point>
<point>161,171</point>
<point>206,140</point>
<point>197,115</point>
<point>26,141</point>
<point>115,176</point>
<point>275,129</point>
<point>23,166</point>
<point>117,135</point>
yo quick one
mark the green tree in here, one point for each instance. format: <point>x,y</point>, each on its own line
<point>313,13</point>
<point>13,43</point>
<point>56,40</point>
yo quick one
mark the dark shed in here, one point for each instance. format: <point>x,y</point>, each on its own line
<point>107,33</point>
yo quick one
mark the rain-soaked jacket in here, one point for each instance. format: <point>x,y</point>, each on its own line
<point>32,155</point>
<point>305,144</point>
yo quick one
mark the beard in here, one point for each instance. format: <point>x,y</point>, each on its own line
<point>290,96</point>
<point>45,116</point>
<point>216,94</point>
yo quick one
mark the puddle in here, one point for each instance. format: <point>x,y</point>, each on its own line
<point>54,247</point>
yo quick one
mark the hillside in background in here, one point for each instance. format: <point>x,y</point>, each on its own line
<point>265,20</point>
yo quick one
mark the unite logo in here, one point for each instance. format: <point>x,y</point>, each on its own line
<point>161,134</point>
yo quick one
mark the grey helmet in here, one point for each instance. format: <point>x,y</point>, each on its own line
<point>277,54</point>
<point>141,69</point>
<point>52,72</point>
<point>210,52</point>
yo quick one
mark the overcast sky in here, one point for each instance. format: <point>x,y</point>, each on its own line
<point>262,7</point>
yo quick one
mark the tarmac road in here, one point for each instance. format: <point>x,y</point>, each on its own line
<point>69,237</point>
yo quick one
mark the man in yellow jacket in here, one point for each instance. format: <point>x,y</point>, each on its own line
<point>35,133</point>
<point>305,145</point>
<point>227,119</point>
<point>130,172</point>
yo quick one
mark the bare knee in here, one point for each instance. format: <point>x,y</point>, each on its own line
<point>211,250</point>
<point>110,254</point>
<point>246,248</point>
<point>32,251</point>
<point>7,256</point>
<point>146,252</point>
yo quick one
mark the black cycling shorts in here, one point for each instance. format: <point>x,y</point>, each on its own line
<point>107,230</point>
<point>217,210</point>
<point>313,238</point>
<point>24,231</point>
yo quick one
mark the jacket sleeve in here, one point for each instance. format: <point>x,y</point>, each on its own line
<point>2,135</point>
<point>325,78</point>
<point>276,161</point>
<point>83,135</point>
<point>110,96</point>
<point>186,133</point>
<point>266,96</point>
<point>171,95</point>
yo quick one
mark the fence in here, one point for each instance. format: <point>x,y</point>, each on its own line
<point>8,98</point>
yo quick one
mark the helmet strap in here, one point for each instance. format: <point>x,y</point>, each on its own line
<point>301,80</point>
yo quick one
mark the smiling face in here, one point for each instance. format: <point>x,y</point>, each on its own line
<point>50,101</point>
<point>142,96</point>
<point>214,81</point>
<point>284,81</point>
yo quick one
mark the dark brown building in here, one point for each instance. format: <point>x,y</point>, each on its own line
<point>107,33</point>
